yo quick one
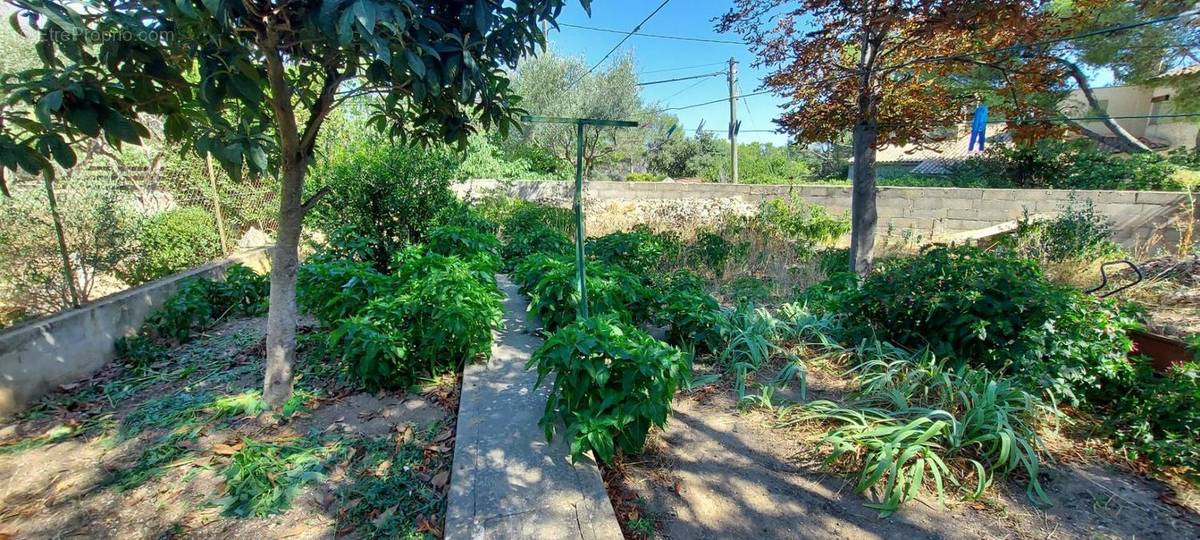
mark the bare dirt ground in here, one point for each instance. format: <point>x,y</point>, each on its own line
<point>718,472</point>
<point>138,461</point>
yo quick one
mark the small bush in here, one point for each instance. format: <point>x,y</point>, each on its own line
<point>1156,416</point>
<point>437,315</point>
<point>387,194</point>
<point>554,297</point>
<point>523,215</point>
<point>190,308</point>
<point>994,311</point>
<point>805,225</point>
<point>640,250</point>
<point>643,177</point>
<point>245,291</point>
<point>336,290</point>
<point>529,270</point>
<point>690,313</point>
<point>612,384</point>
<point>467,243</point>
<point>1079,232</point>
<point>711,252</point>
<point>748,289</point>
<point>173,241</point>
<point>139,352</point>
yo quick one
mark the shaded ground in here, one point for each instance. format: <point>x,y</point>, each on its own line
<point>717,472</point>
<point>178,452</point>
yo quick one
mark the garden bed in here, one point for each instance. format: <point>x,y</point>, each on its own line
<point>183,449</point>
<point>720,471</point>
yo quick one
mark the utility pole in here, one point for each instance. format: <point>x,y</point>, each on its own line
<point>733,127</point>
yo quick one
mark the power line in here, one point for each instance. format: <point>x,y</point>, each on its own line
<point>681,78</point>
<point>938,58</point>
<point>622,42</point>
<point>658,36</point>
<point>689,87</point>
<point>721,63</point>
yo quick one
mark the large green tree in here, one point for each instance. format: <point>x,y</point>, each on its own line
<point>562,86</point>
<point>253,81</point>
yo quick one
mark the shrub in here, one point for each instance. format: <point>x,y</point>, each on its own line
<point>554,297</point>
<point>523,215</point>
<point>449,311</point>
<point>529,271</point>
<point>640,250</point>
<point>691,314</point>
<point>173,241</point>
<point>388,194</point>
<point>140,352</point>
<point>467,243</point>
<point>749,289</point>
<point>190,308</point>
<point>245,291</point>
<point>995,311</point>
<point>199,301</point>
<point>710,251</point>
<point>539,239</point>
<point>438,314</point>
<point>1079,232</point>
<point>336,290</point>
<point>643,177</point>
<point>612,383</point>
<point>794,221</point>
<point>1156,416</point>
<point>460,214</point>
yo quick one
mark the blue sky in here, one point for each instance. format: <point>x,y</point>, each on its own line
<point>692,18</point>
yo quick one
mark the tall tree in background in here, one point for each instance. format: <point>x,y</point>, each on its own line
<point>253,81</point>
<point>555,85</point>
<point>871,67</point>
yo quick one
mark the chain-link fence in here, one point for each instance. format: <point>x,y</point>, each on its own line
<point>95,231</point>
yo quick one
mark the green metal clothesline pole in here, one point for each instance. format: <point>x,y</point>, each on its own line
<point>580,260</point>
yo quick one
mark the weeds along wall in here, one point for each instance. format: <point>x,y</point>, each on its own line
<point>1143,220</point>
<point>40,355</point>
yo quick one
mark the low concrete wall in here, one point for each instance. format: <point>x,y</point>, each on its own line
<point>38,356</point>
<point>1142,218</point>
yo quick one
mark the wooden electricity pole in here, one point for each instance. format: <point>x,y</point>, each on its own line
<point>733,123</point>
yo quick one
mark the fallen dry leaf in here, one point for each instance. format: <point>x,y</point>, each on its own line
<point>440,479</point>
<point>68,387</point>
<point>383,517</point>
<point>443,436</point>
<point>383,467</point>
<point>222,449</point>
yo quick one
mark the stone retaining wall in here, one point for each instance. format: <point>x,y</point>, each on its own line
<point>1143,219</point>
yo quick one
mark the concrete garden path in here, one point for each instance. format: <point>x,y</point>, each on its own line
<point>507,481</point>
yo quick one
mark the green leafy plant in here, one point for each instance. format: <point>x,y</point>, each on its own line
<point>554,297</point>
<point>175,240</point>
<point>521,215</point>
<point>612,384</point>
<point>994,311</point>
<point>467,243</point>
<point>244,290</point>
<point>1079,232</point>
<point>190,308</point>
<point>640,250</point>
<point>805,225</point>
<point>140,352</point>
<point>386,194</point>
<point>1156,416</point>
<point>440,313</point>
<point>748,289</point>
<point>692,316</point>
<point>710,251</point>
<point>538,239</point>
<point>747,339</point>
<point>336,290</point>
<point>916,422</point>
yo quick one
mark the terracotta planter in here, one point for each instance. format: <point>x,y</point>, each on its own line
<point>1163,351</point>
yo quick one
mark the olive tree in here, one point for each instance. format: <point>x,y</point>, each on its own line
<point>251,82</point>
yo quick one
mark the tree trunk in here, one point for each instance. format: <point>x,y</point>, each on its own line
<point>1125,141</point>
<point>281,315</point>
<point>863,215</point>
